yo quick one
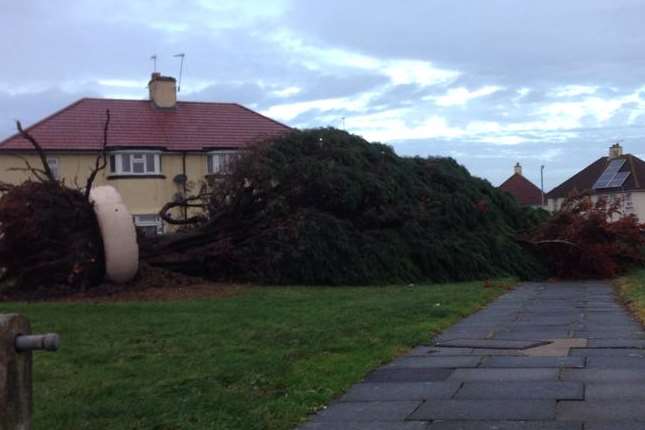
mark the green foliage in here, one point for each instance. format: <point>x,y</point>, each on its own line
<point>326,207</point>
<point>263,359</point>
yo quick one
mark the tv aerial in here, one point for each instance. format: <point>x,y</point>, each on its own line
<point>181,69</point>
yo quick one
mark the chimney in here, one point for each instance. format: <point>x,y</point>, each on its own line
<point>163,91</point>
<point>615,151</point>
<point>518,169</point>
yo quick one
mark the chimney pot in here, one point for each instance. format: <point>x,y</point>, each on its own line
<point>518,169</point>
<point>615,151</point>
<point>163,91</point>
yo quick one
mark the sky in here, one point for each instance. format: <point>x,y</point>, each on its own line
<point>489,83</point>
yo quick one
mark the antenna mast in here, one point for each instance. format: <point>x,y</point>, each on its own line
<point>154,63</point>
<point>181,69</point>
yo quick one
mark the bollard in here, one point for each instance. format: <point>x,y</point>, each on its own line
<point>16,344</point>
<point>15,375</point>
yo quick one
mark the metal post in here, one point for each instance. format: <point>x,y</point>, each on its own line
<point>542,183</point>
<point>16,345</point>
<point>15,375</point>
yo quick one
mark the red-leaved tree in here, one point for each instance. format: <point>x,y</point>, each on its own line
<point>591,240</point>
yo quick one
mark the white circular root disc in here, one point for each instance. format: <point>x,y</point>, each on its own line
<point>118,232</point>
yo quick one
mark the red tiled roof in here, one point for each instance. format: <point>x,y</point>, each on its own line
<point>584,179</point>
<point>191,126</point>
<point>522,189</point>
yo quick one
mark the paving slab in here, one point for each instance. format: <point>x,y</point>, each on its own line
<point>616,343</point>
<point>364,425</point>
<point>607,352</point>
<point>449,351</point>
<point>505,375</point>
<point>601,410</point>
<point>367,411</point>
<point>542,320</point>
<point>437,361</point>
<point>408,375</point>
<point>616,391</point>
<point>388,391</point>
<point>521,391</point>
<point>485,410</point>
<point>616,363</point>
<point>609,334</point>
<point>603,375</point>
<point>504,425</point>
<point>529,362</point>
<point>615,425</point>
<point>556,347</point>
<point>531,334</point>
<point>490,343</point>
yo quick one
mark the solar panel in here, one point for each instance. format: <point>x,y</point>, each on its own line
<point>618,180</point>
<point>609,174</point>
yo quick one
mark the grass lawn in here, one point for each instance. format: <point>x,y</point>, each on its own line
<point>263,359</point>
<point>632,290</point>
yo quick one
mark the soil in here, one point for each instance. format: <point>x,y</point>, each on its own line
<point>151,284</point>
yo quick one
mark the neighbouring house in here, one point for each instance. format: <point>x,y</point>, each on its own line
<point>158,148</point>
<point>522,189</point>
<point>617,176</point>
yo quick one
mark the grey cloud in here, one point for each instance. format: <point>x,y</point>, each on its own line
<point>513,41</point>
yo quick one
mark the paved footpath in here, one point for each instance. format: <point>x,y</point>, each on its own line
<point>562,356</point>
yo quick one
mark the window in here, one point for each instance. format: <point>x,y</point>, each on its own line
<point>52,162</point>
<point>141,163</point>
<point>221,162</point>
<point>148,225</point>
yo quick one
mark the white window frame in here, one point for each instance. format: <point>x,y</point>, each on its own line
<point>54,166</point>
<point>149,220</point>
<point>224,166</point>
<point>134,158</point>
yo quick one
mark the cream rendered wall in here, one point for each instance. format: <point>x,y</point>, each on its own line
<point>142,195</point>
<point>637,199</point>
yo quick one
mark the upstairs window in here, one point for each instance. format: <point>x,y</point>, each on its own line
<point>137,163</point>
<point>221,162</point>
<point>52,162</point>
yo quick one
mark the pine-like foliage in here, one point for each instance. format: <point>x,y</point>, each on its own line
<point>326,207</point>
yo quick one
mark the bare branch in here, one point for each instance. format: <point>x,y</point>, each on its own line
<point>185,203</point>
<point>5,187</point>
<point>101,160</point>
<point>38,173</point>
<point>556,242</point>
<point>39,150</point>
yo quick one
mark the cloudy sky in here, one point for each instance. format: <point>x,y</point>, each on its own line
<point>488,82</point>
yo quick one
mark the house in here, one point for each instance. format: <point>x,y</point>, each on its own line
<point>617,176</point>
<point>522,189</point>
<point>158,148</point>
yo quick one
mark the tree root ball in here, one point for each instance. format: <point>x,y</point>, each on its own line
<point>49,239</point>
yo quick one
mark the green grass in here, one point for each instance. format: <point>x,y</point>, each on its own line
<point>631,289</point>
<point>264,359</point>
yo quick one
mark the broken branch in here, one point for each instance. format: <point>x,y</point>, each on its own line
<point>39,151</point>
<point>101,160</point>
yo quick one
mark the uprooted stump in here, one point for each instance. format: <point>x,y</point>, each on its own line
<point>49,239</point>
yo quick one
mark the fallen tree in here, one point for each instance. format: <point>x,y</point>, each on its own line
<point>49,236</point>
<point>327,207</point>
<point>587,239</point>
